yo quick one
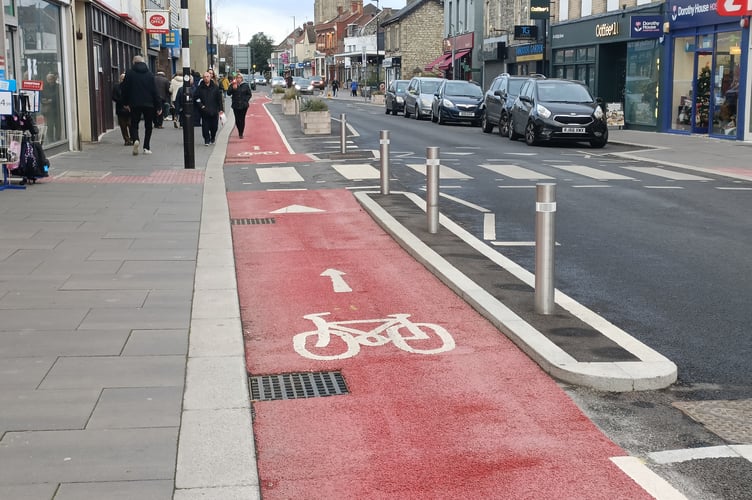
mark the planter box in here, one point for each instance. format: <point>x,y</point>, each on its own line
<point>316,122</point>
<point>277,98</point>
<point>290,106</point>
<point>377,99</point>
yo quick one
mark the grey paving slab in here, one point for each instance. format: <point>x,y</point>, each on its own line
<point>223,493</point>
<point>156,343</point>
<point>13,243</point>
<point>211,382</point>
<point>112,371</point>
<point>41,318</point>
<point>88,267</point>
<point>147,254</point>
<point>80,244</point>
<point>177,266</point>
<point>62,343</point>
<point>33,282</point>
<point>88,455</point>
<point>143,318</point>
<point>164,243</point>
<point>42,491</point>
<point>71,298</point>
<point>116,490</point>
<point>169,298</point>
<point>216,337</point>
<point>32,410</point>
<point>131,281</point>
<point>128,408</point>
<point>24,373</point>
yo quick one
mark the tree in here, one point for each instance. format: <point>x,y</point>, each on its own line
<point>261,51</point>
<point>703,97</point>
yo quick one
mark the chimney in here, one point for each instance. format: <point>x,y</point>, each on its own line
<point>339,10</point>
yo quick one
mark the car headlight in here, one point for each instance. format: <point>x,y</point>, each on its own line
<point>447,103</point>
<point>542,111</point>
<point>598,113</point>
<point>399,99</point>
<point>425,102</point>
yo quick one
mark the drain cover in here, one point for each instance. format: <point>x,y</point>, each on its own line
<point>244,222</point>
<point>728,419</point>
<point>297,385</point>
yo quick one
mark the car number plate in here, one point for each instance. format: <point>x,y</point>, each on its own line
<point>467,113</point>
<point>573,130</point>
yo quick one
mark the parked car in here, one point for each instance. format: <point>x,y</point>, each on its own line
<point>260,80</point>
<point>498,100</point>
<point>304,86</point>
<point>394,98</point>
<point>557,109</point>
<point>318,82</point>
<point>419,96</point>
<point>457,101</point>
<point>278,81</point>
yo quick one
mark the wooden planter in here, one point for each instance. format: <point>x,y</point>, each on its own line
<point>377,99</point>
<point>277,98</point>
<point>290,106</point>
<point>316,122</point>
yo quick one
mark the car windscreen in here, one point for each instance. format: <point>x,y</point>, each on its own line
<point>430,87</point>
<point>563,92</point>
<point>402,86</point>
<point>463,89</point>
<point>515,86</point>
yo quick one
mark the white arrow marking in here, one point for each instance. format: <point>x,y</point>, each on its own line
<point>295,209</point>
<point>337,282</point>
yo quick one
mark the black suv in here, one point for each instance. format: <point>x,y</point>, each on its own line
<point>557,110</point>
<point>499,99</point>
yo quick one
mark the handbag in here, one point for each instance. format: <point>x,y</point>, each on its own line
<point>222,118</point>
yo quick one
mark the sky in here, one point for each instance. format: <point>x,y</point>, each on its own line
<point>276,18</point>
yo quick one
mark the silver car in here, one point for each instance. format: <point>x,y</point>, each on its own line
<point>419,96</point>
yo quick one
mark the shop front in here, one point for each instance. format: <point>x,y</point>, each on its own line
<point>707,71</point>
<point>618,56</point>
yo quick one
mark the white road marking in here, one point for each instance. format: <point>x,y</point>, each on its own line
<point>664,187</point>
<point>668,174</point>
<point>517,187</point>
<point>687,454</point>
<point>444,171</point>
<point>357,171</point>
<point>296,209</point>
<point>647,479</point>
<point>591,186</point>
<point>338,282</point>
<point>489,226</point>
<point>593,173</point>
<point>278,174</point>
<point>734,189</point>
<point>513,243</point>
<point>515,172</point>
<point>463,202</point>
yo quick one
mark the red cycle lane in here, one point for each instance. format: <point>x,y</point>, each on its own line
<point>460,414</point>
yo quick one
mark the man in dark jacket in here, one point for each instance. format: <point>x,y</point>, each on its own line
<point>209,98</point>
<point>163,91</point>
<point>141,98</point>
<point>241,94</point>
<point>123,116</point>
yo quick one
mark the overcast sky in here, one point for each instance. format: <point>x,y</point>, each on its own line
<point>276,18</point>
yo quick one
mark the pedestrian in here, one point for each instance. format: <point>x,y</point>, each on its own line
<point>175,84</point>
<point>163,90</point>
<point>142,100</point>
<point>123,115</point>
<point>209,98</point>
<point>224,83</point>
<point>354,88</point>
<point>50,96</point>
<point>335,87</point>
<point>240,92</point>
<point>289,81</point>
<point>179,99</point>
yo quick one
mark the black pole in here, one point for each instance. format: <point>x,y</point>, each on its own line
<point>189,159</point>
<point>211,36</point>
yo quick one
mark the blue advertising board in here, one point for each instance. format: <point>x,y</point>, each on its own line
<point>692,13</point>
<point>646,26</point>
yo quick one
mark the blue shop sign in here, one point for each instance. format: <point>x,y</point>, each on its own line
<point>646,26</point>
<point>528,50</point>
<point>171,40</point>
<point>692,13</point>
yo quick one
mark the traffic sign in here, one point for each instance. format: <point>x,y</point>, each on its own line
<point>735,8</point>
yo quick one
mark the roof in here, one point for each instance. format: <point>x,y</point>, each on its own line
<point>407,10</point>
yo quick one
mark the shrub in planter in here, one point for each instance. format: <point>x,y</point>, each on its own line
<point>315,117</point>
<point>290,94</point>
<point>314,105</point>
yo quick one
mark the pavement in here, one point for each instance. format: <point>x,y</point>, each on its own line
<point>122,360</point>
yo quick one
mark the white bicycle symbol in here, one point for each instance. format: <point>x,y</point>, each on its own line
<point>397,328</point>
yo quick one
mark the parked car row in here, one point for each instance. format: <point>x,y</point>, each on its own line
<point>533,107</point>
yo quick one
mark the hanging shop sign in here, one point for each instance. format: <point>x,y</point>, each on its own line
<point>526,32</point>
<point>735,8</point>
<point>171,39</point>
<point>540,9</point>
<point>646,26</point>
<point>157,21</point>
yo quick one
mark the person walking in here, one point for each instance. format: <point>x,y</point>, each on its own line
<point>123,115</point>
<point>179,103</point>
<point>141,98</point>
<point>175,84</point>
<point>354,88</point>
<point>163,90</point>
<point>335,87</point>
<point>209,98</point>
<point>240,93</point>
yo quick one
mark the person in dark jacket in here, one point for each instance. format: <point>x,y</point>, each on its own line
<point>123,115</point>
<point>163,90</point>
<point>209,98</point>
<point>141,98</point>
<point>240,93</point>
<point>180,103</point>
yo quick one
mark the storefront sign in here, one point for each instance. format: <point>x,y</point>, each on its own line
<point>646,26</point>
<point>540,9</point>
<point>157,21</point>
<point>526,32</point>
<point>603,30</point>
<point>532,52</point>
<point>32,85</point>
<point>171,40</point>
<point>735,8</point>
<point>692,13</point>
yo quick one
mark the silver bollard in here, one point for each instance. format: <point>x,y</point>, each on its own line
<point>432,189</point>
<point>384,151</point>
<point>343,134</point>
<point>545,240</point>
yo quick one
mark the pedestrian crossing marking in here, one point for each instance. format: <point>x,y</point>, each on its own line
<point>515,172</point>
<point>279,174</point>
<point>357,171</point>
<point>593,173</point>
<point>668,174</point>
<point>444,171</point>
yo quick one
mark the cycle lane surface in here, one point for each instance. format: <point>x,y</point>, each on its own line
<point>478,420</point>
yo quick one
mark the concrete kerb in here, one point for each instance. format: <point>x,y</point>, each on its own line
<point>216,456</point>
<point>653,371</point>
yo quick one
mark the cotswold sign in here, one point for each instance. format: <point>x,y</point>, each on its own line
<point>607,29</point>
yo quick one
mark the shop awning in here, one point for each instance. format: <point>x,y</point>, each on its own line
<point>457,55</point>
<point>437,61</point>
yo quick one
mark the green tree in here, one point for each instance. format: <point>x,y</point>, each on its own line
<point>261,51</point>
<point>703,97</point>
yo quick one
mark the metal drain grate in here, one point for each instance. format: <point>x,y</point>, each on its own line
<point>246,222</point>
<point>297,385</point>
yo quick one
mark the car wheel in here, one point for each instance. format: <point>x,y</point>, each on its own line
<point>513,136</point>
<point>485,124</point>
<point>599,142</point>
<point>417,113</point>
<point>530,136</point>
<point>434,118</point>
<point>406,113</point>
<point>504,126</point>
<point>387,110</point>
<point>439,119</point>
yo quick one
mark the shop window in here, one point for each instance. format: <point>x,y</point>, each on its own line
<point>725,83</point>
<point>569,55</point>
<point>641,86</point>
<point>9,7</point>
<point>681,91</point>
<point>558,57</point>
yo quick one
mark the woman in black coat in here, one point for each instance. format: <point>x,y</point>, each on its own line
<point>241,94</point>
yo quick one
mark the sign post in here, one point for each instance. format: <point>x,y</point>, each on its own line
<point>189,159</point>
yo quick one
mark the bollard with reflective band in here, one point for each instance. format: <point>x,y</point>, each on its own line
<point>384,151</point>
<point>432,189</point>
<point>545,209</point>
<point>343,133</point>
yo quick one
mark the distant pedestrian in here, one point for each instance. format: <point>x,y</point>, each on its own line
<point>180,99</point>
<point>335,87</point>
<point>163,90</point>
<point>354,88</point>
<point>123,115</point>
<point>142,100</point>
<point>175,84</point>
<point>209,98</point>
<point>240,92</point>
